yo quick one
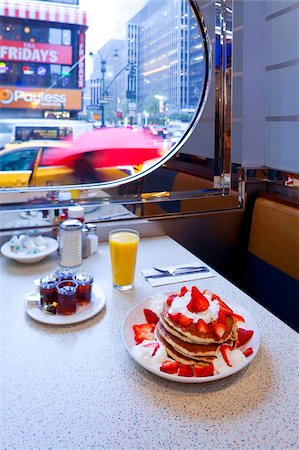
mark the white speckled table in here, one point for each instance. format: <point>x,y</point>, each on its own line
<point>75,387</point>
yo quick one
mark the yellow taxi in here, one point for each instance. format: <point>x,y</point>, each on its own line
<point>22,165</point>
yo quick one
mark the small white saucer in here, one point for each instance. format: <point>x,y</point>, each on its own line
<point>84,312</point>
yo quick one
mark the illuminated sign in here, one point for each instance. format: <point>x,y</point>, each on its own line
<point>81,54</point>
<point>41,71</point>
<point>34,52</point>
<point>45,133</point>
<point>3,67</point>
<point>27,70</point>
<point>14,97</point>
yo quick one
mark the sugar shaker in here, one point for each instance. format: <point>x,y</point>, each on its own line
<point>70,243</point>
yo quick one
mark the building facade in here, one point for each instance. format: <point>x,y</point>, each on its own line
<point>42,57</point>
<point>165,59</point>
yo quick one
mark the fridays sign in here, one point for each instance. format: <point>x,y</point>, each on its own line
<point>34,52</point>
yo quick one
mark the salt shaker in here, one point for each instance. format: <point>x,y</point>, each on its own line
<point>85,243</point>
<point>70,243</point>
<point>93,238</point>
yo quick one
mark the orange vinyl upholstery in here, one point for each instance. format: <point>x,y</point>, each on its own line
<point>272,265</point>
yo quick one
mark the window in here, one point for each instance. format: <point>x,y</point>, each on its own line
<point>55,36</point>
<point>19,160</point>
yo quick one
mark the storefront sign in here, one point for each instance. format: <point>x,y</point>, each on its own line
<point>81,53</point>
<point>34,52</point>
<point>30,98</point>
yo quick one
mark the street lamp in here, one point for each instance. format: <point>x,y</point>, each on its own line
<point>103,91</point>
<point>103,88</point>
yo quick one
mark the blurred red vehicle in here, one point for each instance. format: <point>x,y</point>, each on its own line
<point>94,151</point>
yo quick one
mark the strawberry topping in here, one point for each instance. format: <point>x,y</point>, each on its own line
<point>243,336</point>
<point>238,318</point>
<point>185,321</point>
<point>154,346</point>
<point>219,329</point>
<point>223,306</point>
<point>150,316</point>
<point>223,350</point>
<point>204,371</point>
<point>185,371</point>
<point>184,290</point>
<point>175,317</point>
<point>143,332</point>
<point>202,326</point>
<point>170,367</point>
<point>248,352</point>
<point>170,299</point>
<point>198,302</point>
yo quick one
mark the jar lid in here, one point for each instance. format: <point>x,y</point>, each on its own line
<point>71,224</point>
<point>75,212</point>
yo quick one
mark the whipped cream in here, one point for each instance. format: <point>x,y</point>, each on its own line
<point>157,302</point>
<point>179,305</point>
<point>235,357</point>
<point>144,353</point>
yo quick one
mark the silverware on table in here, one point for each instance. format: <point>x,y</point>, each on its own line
<point>177,271</point>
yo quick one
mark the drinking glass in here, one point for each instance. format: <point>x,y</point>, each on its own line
<point>84,281</point>
<point>123,245</point>
<point>67,297</point>
<point>47,288</point>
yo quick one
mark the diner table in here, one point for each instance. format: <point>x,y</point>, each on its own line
<point>76,386</point>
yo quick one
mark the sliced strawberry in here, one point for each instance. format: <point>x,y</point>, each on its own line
<point>208,371</point>
<point>219,329</point>
<point>223,350</point>
<point>170,299</point>
<point>154,346</point>
<point>143,331</point>
<point>185,371</point>
<point>243,336</point>
<point>248,352</point>
<point>221,317</point>
<point>185,321</point>
<point>184,290</point>
<point>202,326</point>
<point>170,366</point>
<point>223,306</point>
<point>175,317</point>
<point>198,301</point>
<point>238,318</point>
<point>150,316</point>
<point>204,371</point>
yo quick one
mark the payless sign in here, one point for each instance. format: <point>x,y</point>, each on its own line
<point>34,52</point>
<point>13,97</point>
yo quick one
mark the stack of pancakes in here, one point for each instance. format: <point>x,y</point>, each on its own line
<point>188,346</point>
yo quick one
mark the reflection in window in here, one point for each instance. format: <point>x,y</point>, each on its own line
<point>18,160</point>
<point>58,62</point>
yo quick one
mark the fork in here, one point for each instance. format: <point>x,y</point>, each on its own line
<point>182,270</point>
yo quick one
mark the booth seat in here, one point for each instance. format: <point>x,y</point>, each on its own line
<point>272,265</point>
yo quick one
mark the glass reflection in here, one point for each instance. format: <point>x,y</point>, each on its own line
<point>68,81</point>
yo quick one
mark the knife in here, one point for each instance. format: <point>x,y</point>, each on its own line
<point>177,274</point>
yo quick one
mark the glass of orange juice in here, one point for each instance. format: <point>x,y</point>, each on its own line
<point>123,245</point>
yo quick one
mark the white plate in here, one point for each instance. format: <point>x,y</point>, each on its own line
<point>52,246</point>
<point>84,312</point>
<point>136,316</point>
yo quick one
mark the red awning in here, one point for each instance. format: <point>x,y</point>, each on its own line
<point>42,11</point>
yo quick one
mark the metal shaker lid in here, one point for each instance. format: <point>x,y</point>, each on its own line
<point>70,225</point>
